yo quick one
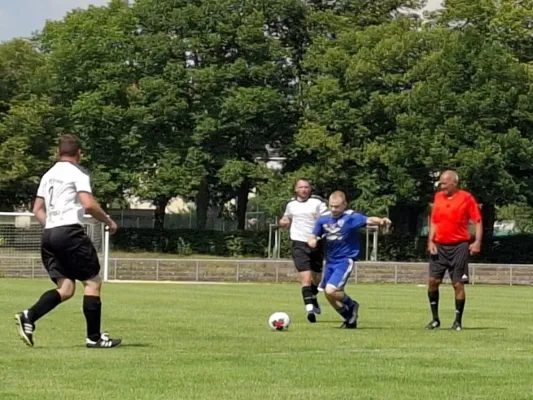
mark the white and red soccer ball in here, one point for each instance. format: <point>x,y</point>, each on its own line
<point>279,321</point>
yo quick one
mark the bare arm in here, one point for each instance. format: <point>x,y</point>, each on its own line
<point>285,222</point>
<point>475,248</point>
<point>479,232</point>
<point>377,221</point>
<point>92,207</point>
<point>432,230</point>
<point>39,209</point>
<point>475,216</point>
<point>432,247</point>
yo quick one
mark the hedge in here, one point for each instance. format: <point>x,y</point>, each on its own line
<point>508,250</point>
<point>187,241</point>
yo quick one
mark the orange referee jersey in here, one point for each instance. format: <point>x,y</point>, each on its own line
<point>451,217</point>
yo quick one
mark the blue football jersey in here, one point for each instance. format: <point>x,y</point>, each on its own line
<point>341,234</point>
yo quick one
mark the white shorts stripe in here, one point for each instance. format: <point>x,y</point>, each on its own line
<point>347,273</point>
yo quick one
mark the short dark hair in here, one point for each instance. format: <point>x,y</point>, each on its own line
<point>69,145</point>
<point>303,179</point>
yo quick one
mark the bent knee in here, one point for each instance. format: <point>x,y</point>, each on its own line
<point>66,288</point>
<point>330,290</point>
<point>66,293</point>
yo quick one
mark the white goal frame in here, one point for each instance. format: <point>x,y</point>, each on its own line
<point>14,248</point>
<point>371,232</point>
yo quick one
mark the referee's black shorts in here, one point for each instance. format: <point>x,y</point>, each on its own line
<point>452,258</point>
<point>307,259</point>
<point>67,252</point>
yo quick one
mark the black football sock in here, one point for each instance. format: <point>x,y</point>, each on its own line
<point>48,301</point>
<point>314,289</point>
<point>307,294</point>
<point>434,303</point>
<point>92,309</point>
<point>459,308</point>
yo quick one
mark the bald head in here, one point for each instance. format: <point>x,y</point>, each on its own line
<point>337,203</point>
<point>448,182</point>
<point>450,175</point>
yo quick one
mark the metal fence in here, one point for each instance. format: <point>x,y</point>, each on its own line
<point>254,220</point>
<point>264,270</point>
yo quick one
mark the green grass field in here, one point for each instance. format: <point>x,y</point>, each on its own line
<point>212,342</point>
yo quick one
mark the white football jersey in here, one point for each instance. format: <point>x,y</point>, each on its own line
<point>304,215</point>
<point>59,187</point>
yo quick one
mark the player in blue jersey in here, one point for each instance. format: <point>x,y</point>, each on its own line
<point>341,232</point>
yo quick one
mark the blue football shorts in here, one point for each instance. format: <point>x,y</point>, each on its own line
<point>337,273</point>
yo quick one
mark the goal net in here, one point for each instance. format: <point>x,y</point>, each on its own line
<point>20,245</point>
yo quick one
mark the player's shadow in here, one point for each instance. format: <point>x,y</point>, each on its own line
<point>484,328</point>
<point>119,347</point>
<point>417,328</point>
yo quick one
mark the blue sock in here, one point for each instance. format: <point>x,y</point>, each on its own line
<point>344,312</point>
<point>347,301</point>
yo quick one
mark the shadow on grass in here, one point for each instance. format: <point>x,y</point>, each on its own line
<point>139,345</point>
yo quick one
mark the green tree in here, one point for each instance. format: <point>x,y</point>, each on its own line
<point>27,135</point>
<point>238,85</point>
<point>89,53</point>
<point>28,122</point>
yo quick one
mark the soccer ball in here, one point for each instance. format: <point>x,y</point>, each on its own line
<point>279,321</point>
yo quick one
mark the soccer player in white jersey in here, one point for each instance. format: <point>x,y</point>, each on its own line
<point>301,214</point>
<point>63,197</point>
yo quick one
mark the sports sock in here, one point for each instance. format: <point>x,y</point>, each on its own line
<point>308,296</point>
<point>434,303</point>
<point>314,289</point>
<point>459,308</point>
<point>344,312</point>
<point>92,309</point>
<point>348,301</point>
<point>47,302</point>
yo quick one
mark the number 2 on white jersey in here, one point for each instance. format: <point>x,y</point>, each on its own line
<point>51,193</point>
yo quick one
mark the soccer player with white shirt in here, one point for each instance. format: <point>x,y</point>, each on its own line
<point>341,231</point>
<point>68,255</point>
<point>300,215</point>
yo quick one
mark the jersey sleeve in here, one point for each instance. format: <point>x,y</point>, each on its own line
<point>318,230</point>
<point>41,190</point>
<point>473,210</point>
<point>357,221</point>
<point>323,208</point>
<point>83,183</point>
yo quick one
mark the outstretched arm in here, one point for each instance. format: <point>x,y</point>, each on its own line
<point>378,221</point>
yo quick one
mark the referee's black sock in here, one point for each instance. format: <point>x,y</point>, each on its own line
<point>92,309</point>
<point>459,308</point>
<point>308,296</point>
<point>48,301</point>
<point>434,303</point>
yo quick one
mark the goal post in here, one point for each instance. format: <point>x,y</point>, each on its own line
<point>20,244</point>
<point>371,233</point>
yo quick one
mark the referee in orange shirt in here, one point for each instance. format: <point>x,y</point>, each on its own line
<point>449,244</point>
